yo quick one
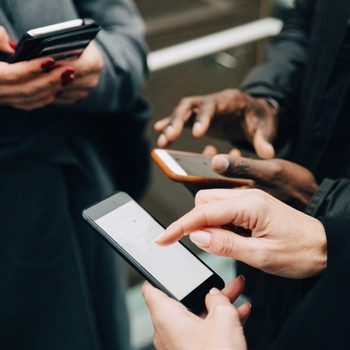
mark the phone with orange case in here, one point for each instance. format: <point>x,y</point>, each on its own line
<point>194,168</point>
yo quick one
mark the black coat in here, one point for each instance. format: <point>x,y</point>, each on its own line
<point>297,73</point>
<point>61,286</point>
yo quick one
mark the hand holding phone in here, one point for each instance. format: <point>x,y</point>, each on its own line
<point>59,41</point>
<point>194,170</point>
<point>27,85</point>
<point>87,70</point>
<point>131,231</point>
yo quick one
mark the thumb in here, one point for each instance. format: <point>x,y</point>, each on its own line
<point>263,148</point>
<point>221,242</point>
<point>5,45</point>
<point>240,167</point>
<point>215,298</point>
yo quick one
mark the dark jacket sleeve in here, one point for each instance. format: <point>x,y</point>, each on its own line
<point>279,76</point>
<point>124,51</point>
<point>338,236</point>
<point>332,199</point>
<point>321,319</point>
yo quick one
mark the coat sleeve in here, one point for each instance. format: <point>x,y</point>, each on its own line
<point>279,76</point>
<point>124,50</point>
<point>332,199</point>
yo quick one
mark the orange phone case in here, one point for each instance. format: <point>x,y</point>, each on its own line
<point>223,182</point>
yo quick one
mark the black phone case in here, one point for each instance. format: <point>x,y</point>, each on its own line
<point>60,45</point>
<point>139,268</point>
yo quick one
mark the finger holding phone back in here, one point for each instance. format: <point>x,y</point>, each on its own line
<point>29,85</point>
<point>285,180</point>
<point>36,72</point>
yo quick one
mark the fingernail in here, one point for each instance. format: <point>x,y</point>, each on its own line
<point>214,291</point>
<point>162,140</point>
<point>220,164</point>
<point>250,305</point>
<point>158,238</point>
<point>67,77</point>
<point>13,44</point>
<point>59,93</point>
<point>197,128</point>
<point>242,277</point>
<point>48,64</point>
<point>169,127</point>
<point>201,239</point>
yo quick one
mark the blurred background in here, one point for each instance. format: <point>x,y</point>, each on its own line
<point>196,47</point>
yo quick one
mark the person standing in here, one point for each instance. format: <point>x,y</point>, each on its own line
<point>71,133</point>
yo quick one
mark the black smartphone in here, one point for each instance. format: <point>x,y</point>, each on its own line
<point>131,231</point>
<point>60,41</point>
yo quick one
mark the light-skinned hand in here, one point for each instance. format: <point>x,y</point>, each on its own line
<point>176,328</point>
<point>283,242</point>
<point>87,70</point>
<point>29,85</point>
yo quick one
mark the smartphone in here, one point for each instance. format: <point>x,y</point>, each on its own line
<point>61,41</point>
<point>174,269</point>
<point>187,167</point>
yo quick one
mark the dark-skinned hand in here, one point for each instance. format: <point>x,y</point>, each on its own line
<point>287,181</point>
<point>231,115</point>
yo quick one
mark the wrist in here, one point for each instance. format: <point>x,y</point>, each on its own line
<point>317,257</point>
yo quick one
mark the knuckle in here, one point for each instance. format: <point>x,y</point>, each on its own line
<point>10,77</point>
<point>200,197</point>
<point>25,92</point>
<point>259,197</point>
<point>223,309</point>
<point>225,245</point>
<point>52,82</point>
<point>185,101</point>
<point>276,169</point>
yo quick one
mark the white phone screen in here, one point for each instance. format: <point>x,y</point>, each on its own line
<point>177,269</point>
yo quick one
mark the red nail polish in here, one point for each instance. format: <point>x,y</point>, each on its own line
<point>46,66</point>
<point>13,44</point>
<point>67,77</point>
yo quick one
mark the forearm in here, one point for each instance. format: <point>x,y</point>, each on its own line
<point>124,52</point>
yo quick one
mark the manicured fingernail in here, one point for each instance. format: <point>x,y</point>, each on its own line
<point>214,291</point>
<point>48,64</point>
<point>201,239</point>
<point>158,238</point>
<point>220,164</point>
<point>13,44</point>
<point>67,77</point>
